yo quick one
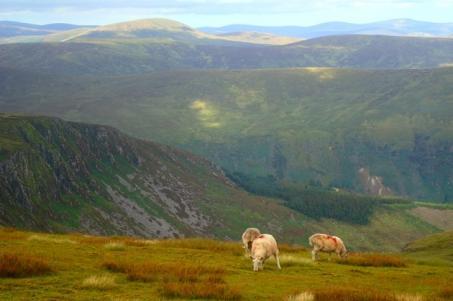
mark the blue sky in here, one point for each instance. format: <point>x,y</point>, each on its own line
<point>221,12</point>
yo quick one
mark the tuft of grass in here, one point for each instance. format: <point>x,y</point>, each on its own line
<point>374,260</point>
<point>48,238</point>
<point>201,290</point>
<point>139,242</point>
<point>406,297</point>
<point>103,282</point>
<point>150,271</point>
<point>305,296</point>
<point>288,260</point>
<point>92,240</point>
<point>346,294</point>
<point>115,246</point>
<point>18,266</point>
<point>446,293</point>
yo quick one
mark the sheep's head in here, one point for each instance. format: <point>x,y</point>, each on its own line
<point>258,263</point>
<point>344,253</point>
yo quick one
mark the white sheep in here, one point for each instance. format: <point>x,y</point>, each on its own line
<point>247,238</point>
<point>328,244</point>
<point>263,247</point>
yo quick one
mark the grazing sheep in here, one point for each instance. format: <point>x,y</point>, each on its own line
<point>248,237</point>
<point>263,247</point>
<point>327,243</point>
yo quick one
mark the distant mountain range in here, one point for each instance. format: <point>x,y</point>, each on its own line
<point>234,32</point>
<point>156,29</point>
<point>397,27</point>
<point>11,29</point>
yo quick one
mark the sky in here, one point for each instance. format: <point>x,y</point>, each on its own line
<point>198,13</point>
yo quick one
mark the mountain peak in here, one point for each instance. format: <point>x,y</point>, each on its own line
<point>146,24</point>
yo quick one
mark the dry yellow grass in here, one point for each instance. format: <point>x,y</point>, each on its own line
<point>47,238</point>
<point>446,293</point>
<point>179,280</point>
<point>150,271</point>
<point>201,290</point>
<point>99,282</point>
<point>305,296</point>
<point>287,260</point>
<point>115,246</point>
<point>22,265</point>
<point>349,294</point>
<point>406,297</point>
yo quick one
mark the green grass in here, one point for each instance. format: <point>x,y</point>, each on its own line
<point>159,269</point>
<point>434,249</point>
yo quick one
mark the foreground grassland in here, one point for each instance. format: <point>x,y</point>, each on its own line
<point>79,267</point>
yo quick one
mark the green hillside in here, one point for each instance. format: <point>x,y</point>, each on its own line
<point>144,46</point>
<point>376,132</point>
<point>61,176</point>
<point>80,267</point>
<point>433,249</point>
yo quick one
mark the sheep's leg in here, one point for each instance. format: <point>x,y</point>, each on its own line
<point>278,261</point>
<point>330,256</point>
<point>314,254</point>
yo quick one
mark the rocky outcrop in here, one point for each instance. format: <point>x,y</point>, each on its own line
<point>77,177</point>
<point>373,185</point>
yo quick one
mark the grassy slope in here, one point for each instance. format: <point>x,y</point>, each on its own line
<point>75,258</point>
<point>300,124</point>
<point>436,249</point>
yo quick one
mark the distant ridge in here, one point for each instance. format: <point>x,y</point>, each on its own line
<point>13,29</point>
<point>395,27</point>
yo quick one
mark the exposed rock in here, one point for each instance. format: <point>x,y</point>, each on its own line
<point>373,185</point>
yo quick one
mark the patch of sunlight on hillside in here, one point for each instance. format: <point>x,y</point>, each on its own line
<point>206,113</point>
<point>245,97</point>
<point>323,73</point>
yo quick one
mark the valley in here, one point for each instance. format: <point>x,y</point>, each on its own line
<point>335,128</point>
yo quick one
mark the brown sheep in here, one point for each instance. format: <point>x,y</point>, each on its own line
<point>327,243</point>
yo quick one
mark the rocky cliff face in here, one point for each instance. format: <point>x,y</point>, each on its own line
<point>60,176</point>
<point>373,185</point>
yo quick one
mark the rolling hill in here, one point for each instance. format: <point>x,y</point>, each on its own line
<point>397,27</point>
<point>58,176</point>
<point>376,132</point>
<point>150,45</point>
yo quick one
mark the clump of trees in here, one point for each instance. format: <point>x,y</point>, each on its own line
<point>314,200</point>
